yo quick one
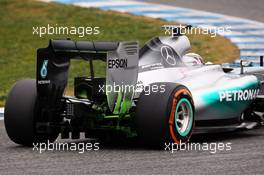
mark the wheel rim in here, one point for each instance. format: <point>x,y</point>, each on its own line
<point>183,117</point>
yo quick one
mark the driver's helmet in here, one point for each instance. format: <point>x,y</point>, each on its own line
<point>192,59</point>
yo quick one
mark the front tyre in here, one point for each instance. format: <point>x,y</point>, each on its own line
<point>20,114</point>
<point>165,116</point>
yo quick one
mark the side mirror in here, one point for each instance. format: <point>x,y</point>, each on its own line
<point>244,63</point>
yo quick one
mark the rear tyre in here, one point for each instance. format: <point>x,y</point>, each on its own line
<point>165,116</point>
<point>20,114</point>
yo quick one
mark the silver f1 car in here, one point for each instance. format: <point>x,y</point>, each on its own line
<point>158,93</point>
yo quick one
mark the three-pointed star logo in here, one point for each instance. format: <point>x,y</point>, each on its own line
<point>168,55</point>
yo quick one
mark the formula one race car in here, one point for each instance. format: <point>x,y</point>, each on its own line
<point>157,93</point>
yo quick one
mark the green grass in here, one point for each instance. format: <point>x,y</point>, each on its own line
<point>18,45</point>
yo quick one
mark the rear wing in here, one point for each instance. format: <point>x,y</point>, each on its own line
<point>53,65</point>
<point>80,49</point>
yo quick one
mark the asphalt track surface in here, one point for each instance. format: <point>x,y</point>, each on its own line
<point>250,9</point>
<point>127,157</point>
<point>246,156</point>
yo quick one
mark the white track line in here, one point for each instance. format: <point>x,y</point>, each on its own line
<point>1,113</point>
<point>250,46</point>
<point>104,3</point>
<point>251,54</point>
